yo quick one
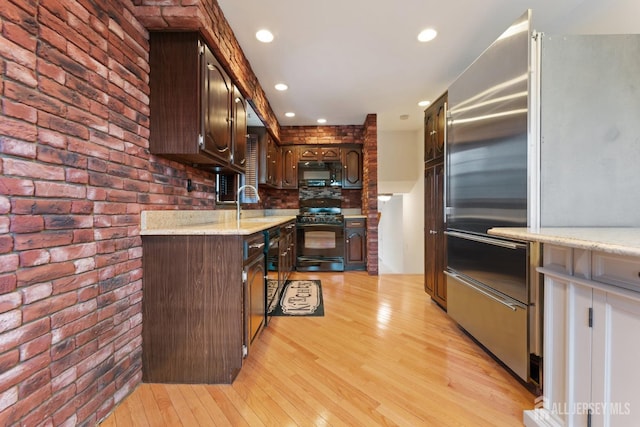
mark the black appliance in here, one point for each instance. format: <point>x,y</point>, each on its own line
<point>320,174</point>
<point>320,235</point>
<point>493,290</point>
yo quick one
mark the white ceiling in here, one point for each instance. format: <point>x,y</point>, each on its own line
<point>344,59</point>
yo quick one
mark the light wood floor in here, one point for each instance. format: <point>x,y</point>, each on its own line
<point>383,354</point>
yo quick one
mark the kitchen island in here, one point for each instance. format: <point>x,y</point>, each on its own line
<point>203,293</point>
<point>591,324</point>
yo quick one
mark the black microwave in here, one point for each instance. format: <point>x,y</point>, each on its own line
<point>320,174</point>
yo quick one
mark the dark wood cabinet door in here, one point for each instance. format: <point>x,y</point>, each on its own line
<point>440,126</point>
<point>174,98</point>
<point>273,163</point>
<point>435,123</point>
<point>255,298</point>
<point>216,108</point>
<point>352,167</point>
<point>429,134</point>
<point>434,238</point>
<point>429,237</point>
<point>289,160</point>
<point>308,153</point>
<point>329,154</point>
<point>239,135</point>
<point>319,153</point>
<point>355,244</point>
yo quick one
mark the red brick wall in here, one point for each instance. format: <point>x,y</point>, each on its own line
<point>370,190</point>
<point>321,134</point>
<point>75,174</point>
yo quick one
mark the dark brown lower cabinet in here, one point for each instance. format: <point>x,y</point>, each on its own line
<point>434,238</point>
<point>198,308</point>
<point>355,247</point>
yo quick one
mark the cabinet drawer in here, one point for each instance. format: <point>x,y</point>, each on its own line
<point>355,223</point>
<point>253,246</point>
<point>616,270</point>
<point>558,258</point>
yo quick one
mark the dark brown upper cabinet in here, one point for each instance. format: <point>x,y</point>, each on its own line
<point>435,122</point>
<point>195,116</point>
<point>318,153</point>
<point>289,160</point>
<point>352,167</point>
<point>239,135</point>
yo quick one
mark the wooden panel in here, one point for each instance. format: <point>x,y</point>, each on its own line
<point>435,243</point>
<point>174,98</point>
<point>289,167</point>
<point>352,168</point>
<point>223,271</point>
<point>192,309</point>
<point>239,137</point>
<point>217,111</point>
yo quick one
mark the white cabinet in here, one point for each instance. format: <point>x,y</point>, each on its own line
<point>591,344</point>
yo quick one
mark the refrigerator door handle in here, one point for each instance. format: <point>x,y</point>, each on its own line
<point>510,305</point>
<point>487,240</point>
<point>447,117</point>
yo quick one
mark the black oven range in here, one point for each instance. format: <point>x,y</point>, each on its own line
<point>320,235</point>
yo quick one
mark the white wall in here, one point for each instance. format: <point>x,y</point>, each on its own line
<point>390,236</point>
<point>401,228</point>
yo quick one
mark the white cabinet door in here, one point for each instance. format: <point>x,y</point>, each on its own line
<point>616,354</point>
<point>567,368</point>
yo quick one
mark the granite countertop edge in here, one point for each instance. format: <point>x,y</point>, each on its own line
<point>613,240</point>
<point>243,227</point>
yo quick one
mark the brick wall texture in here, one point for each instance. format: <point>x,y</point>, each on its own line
<point>370,190</point>
<point>75,173</point>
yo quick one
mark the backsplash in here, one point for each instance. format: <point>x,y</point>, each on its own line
<point>310,193</point>
<point>273,198</point>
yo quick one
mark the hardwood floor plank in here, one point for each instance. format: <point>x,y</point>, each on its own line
<point>210,405</point>
<point>226,406</point>
<point>167,411</point>
<point>382,355</point>
<point>151,410</point>
<point>191,399</point>
<point>136,409</point>
<point>181,406</point>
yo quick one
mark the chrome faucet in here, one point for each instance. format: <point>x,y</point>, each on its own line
<point>238,198</point>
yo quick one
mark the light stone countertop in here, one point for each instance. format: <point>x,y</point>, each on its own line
<point>618,240</point>
<point>207,222</point>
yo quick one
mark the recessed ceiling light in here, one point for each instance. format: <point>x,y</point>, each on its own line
<point>427,35</point>
<point>281,86</point>
<point>424,103</point>
<point>322,121</point>
<point>290,114</point>
<point>404,117</point>
<point>265,36</point>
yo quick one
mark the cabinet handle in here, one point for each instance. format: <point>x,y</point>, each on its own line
<point>256,245</point>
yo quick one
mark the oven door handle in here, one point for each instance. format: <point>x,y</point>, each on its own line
<point>509,304</point>
<point>487,240</point>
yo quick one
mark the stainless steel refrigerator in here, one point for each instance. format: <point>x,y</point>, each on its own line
<point>541,131</point>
